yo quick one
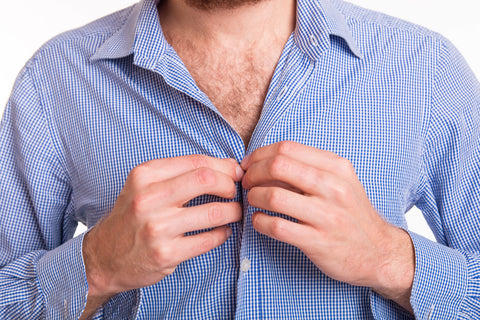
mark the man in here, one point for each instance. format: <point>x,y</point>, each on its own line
<point>241,159</point>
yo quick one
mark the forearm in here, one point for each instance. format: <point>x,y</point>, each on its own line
<point>398,270</point>
<point>444,285</point>
<point>96,297</point>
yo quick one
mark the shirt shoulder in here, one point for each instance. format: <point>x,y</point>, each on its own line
<point>85,39</point>
<point>366,19</point>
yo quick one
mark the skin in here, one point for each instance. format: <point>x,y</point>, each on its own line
<point>337,227</point>
<point>219,4</point>
<point>143,239</point>
<point>231,54</point>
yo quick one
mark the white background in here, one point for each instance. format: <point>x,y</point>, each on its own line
<point>26,25</point>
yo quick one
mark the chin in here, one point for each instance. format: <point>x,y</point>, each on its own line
<point>220,4</point>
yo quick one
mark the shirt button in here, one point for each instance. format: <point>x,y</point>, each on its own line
<point>430,312</point>
<point>65,309</point>
<point>313,40</point>
<point>245,265</point>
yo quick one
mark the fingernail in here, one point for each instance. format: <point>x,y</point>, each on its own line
<point>239,172</point>
<point>229,232</point>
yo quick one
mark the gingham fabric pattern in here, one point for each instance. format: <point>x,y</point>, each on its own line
<point>395,99</point>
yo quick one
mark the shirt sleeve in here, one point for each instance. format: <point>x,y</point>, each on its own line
<point>41,267</point>
<point>447,276</point>
<point>447,272</point>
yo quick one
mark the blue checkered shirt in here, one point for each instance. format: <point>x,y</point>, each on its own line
<point>395,99</point>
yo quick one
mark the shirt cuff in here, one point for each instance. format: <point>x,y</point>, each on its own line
<point>62,280</point>
<point>124,305</point>
<point>441,280</point>
<point>383,308</point>
<point>63,283</point>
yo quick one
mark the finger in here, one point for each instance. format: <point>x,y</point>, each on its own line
<point>301,207</point>
<point>297,174</point>
<point>271,171</point>
<point>296,234</point>
<point>167,168</point>
<point>206,216</point>
<point>283,185</point>
<point>181,189</point>
<point>195,245</point>
<point>318,158</point>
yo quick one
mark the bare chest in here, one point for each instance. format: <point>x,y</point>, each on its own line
<point>236,84</point>
<point>237,90</point>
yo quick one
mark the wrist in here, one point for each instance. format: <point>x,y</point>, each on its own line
<point>396,272</point>
<point>98,284</point>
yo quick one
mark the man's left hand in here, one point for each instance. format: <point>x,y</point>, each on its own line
<point>337,228</point>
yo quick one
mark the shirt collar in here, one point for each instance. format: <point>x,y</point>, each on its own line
<point>141,33</point>
<point>317,22</point>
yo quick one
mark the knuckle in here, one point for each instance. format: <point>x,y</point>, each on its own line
<point>346,166</point>
<point>318,177</point>
<point>237,211</point>
<point>278,165</point>
<point>137,175</point>
<point>285,147</point>
<point>139,204</point>
<point>154,230</point>
<point>207,243</point>
<point>205,177</point>
<point>163,255</point>
<point>163,193</point>
<point>150,230</point>
<point>276,198</point>
<point>214,214</point>
<point>340,193</point>
<point>278,228</point>
<point>198,161</point>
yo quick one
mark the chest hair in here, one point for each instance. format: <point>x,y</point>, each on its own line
<point>235,81</point>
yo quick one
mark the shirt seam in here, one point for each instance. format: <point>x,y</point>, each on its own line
<point>56,153</point>
<point>407,29</point>
<point>428,124</point>
<point>58,42</point>
<point>31,65</point>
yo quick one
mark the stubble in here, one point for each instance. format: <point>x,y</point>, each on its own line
<point>220,4</point>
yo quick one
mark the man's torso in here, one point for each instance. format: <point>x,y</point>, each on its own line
<point>110,114</point>
<point>235,81</point>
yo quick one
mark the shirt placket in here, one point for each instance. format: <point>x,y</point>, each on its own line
<point>254,280</point>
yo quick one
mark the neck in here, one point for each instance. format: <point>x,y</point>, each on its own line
<point>241,26</point>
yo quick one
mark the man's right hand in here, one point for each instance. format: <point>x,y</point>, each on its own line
<point>143,239</point>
